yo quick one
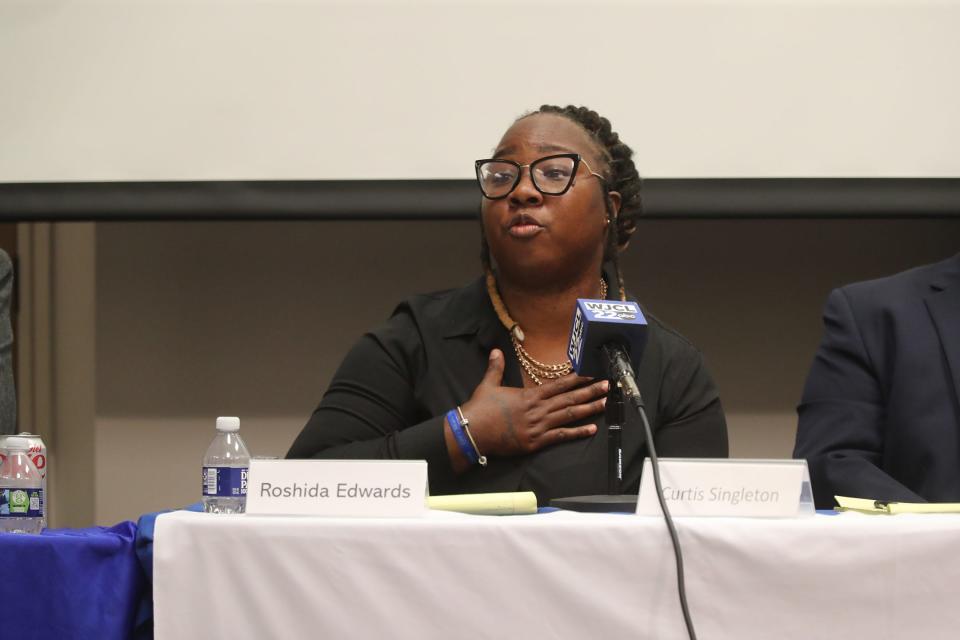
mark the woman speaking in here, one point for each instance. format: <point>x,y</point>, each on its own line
<point>476,380</point>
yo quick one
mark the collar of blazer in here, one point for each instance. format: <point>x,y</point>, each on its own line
<point>948,275</point>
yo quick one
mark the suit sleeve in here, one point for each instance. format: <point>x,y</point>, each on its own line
<point>841,415</point>
<point>8,407</point>
<point>370,411</point>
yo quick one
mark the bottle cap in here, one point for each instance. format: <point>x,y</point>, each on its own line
<point>228,423</point>
<point>13,443</point>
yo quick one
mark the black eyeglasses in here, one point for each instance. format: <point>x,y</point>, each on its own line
<point>552,175</point>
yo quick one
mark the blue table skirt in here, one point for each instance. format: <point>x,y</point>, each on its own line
<point>70,583</point>
<point>145,526</point>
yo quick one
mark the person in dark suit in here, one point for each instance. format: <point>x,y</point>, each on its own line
<point>8,407</point>
<point>880,415</point>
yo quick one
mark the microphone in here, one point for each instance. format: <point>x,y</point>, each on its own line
<point>615,419</point>
<point>607,337</point>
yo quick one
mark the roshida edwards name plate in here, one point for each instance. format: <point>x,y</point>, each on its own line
<point>343,488</point>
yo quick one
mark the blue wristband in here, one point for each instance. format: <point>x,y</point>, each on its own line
<point>462,441</point>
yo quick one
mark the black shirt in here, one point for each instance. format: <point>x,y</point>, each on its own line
<point>389,397</point>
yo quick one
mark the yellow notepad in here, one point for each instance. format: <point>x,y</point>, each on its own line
<point>489,504</point>
<point>879,507</point>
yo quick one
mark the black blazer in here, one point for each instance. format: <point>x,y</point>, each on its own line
<point>880,415</point>
<point>389,397</point>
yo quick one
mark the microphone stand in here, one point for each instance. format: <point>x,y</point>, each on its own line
<point>613,501</point>
<point>615,419</point>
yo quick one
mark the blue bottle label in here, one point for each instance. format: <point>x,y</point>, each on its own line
<point>21,503</point>
<point>225,482</point>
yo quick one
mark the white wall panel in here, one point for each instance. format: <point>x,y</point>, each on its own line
<point>323,90</point>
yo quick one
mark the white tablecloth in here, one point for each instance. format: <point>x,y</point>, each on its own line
<point>557,575</point>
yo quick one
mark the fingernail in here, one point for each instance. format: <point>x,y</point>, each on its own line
<point>494,354</point>
<point>606,385</point>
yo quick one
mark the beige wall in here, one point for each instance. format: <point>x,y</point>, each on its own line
<point>196,320</point>
<point>207,89</point>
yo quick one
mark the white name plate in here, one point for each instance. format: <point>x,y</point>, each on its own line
<point>345,488</point>
<point>726,487</point>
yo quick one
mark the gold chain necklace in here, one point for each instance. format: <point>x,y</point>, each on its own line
<point>538,371</point>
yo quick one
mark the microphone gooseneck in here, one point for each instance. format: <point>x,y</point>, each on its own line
<point>621,371</point>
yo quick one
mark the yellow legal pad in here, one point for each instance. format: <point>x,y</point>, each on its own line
<point>488,504</point>
<point>879,507</point>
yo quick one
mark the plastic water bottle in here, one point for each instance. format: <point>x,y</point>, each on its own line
<point>225,466</point>
<point>21,492</point>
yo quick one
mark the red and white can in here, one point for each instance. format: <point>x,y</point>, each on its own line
<point>37,453</point>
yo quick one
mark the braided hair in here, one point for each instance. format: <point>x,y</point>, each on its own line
<point>620,175</point>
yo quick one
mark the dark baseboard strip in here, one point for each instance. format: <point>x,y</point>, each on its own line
<point>693,198</point>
